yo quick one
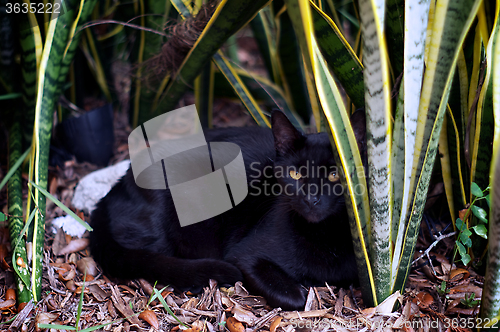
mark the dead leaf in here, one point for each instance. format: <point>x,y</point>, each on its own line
<point>66,275</point>
<point>70,285</point>
<point>150,317</point>
<point>461,214</point>
<point>240,290</point>
<point>465,289</point>
<point>423,300</point>
<point>122,307</point>
<point>458,274</point>
<point>243,315</point>
<point>387,305</point>
<point>44,318</point>
<point>368,312</point>
<point>88,266</point>
<point>274,324</point>
<point>234,325</point>
<point>59,242</point>
<point>74,246</point>
<point>53,186</point>
<point>7,304</point>
<point>10,294</point>
<point>99,294</point>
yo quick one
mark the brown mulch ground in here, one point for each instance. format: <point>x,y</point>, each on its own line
<point>123,306</point>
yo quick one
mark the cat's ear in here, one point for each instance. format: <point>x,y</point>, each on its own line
<point>286,137</point>
<point>358,123</point>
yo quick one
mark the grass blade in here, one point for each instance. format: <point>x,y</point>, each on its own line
<point>62,206</point>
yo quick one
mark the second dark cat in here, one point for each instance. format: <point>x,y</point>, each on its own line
<point>290,231</point>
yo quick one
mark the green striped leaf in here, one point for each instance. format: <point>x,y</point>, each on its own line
<point>15,208</point>
<point>490,301</point>
<point>262,90</point>
<point>52,56</point>
<point>300,15</point>
<point>291,67</point>
<point>395,30</point>
<point>416,25</point>
<point>450,25</point>
<point>352,171</point>
<point>339,55</point>
<point>262,28</point>
<point>241,90</point>
<point>228,18</point>
<point>446,170</point>
<point>154,15</point>
<point>31,46</point>
<point>379,141</point>
<point>204,95</point>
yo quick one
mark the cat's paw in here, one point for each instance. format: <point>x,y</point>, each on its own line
<point>293,298</point>
<point>223,272</point>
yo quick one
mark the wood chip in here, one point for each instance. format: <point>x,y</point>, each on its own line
<point>74,246</point>
<point>123,308</point>
<point>339,304</point>
<point>7,304</point>
<point>305,314</point>
<point>99,294</point>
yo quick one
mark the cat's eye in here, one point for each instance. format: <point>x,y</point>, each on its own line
<point>295,175</point>
<point>333,176</point>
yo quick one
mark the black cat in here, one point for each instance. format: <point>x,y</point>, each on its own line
<point>290,231</point>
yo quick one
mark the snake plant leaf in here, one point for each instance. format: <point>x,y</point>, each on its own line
<point>50,65</point>
<point>379,141</point>
<point>451,22</point>
<point>204,95</point>
<point>263,90</point>
<point>490,302</point>
<point>84,12</point>
<point>339,55</point>
<point>232,77</point>
<point>291,66</point>
<point>446,169</point>
<point>398,165</point>
<point>346,152</point>
<point>415,28</point>
<point>395,23</point>
<point>352,171</point>
<point>154,15</point>
<point>31,46</point>
<point>456,160</point>
<point>227,19</point>
<point>241,90</point>
<point>485,127</point>
<point>299,13</point>
<point>262,28</point>
<point>15,206</point>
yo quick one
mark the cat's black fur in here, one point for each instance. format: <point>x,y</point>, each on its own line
<point>274,243</point>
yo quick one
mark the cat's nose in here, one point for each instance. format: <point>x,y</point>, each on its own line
<point>311,200</point>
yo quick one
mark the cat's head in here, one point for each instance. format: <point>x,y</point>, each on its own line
<point>306,171</point>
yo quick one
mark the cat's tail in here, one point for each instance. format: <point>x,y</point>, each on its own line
<point>126,263</point>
